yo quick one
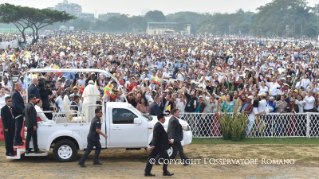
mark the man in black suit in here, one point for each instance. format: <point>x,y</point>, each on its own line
<point>18,106</point>
<point>175,133</point>
<point>159,145</point>
<point>166,103</point>
<point>31,123</point>
<point>154,108</point>
<point>32,89</point>
<point>8,125</point>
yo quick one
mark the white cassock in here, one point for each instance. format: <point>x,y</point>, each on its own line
<point>42,116</point>
<point>90,96</point>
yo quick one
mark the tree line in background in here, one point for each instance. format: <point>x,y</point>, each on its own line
<point>26,17</point>
<point>289,18</point>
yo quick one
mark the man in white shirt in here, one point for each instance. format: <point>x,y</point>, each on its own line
<point>262,103</point>
<point>3,95</point>
<point>81,81</point>
<point>7,86</point>
<point>309,102</point>
<point>273,91</point>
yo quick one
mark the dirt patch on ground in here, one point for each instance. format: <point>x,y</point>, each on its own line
<point>131,164</point>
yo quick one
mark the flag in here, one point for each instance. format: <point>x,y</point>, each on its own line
<point>156,80</point>
<point>13,57</point>
<point>56,67</point>
<point>168,108</point>
<point>109,91</point>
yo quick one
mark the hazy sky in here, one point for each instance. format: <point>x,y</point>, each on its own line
<point>135,7</point>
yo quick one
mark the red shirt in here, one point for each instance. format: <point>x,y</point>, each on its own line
<point>131,86</point>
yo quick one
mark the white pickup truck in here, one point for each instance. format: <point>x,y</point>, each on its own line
<point>125,126</point>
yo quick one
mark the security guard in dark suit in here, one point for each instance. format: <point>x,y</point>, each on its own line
<point>94,139</point>
<point>159,145</point>
<point>175,133</point>
<point>8,125</point>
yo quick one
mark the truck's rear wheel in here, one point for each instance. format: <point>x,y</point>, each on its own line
<point>171,152</point>
<point>65,151</point>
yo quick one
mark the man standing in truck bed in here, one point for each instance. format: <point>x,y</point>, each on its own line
<point>94,139</point>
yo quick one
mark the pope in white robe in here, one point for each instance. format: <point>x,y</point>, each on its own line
<point>90,96</point>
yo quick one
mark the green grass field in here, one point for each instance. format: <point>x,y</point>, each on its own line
<point>258,141</point>
<point>1,143</point>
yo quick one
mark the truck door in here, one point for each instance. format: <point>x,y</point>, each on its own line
<point>123,131</point>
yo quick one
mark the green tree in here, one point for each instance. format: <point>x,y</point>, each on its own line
<point>180,27</point>
<point>192,18</point>
<point>283,18</point>
<point>17,15</point>
<point>137,24</point>
<point>46,17</point>
<point>155,16</point>
<point>26,17</point>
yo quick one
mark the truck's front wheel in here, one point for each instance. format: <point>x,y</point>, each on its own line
<point>171,152</point>
<point>65,151</point>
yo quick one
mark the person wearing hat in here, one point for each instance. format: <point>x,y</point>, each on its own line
<point>40,114</point>
<point>289,81</point>
<point>262,103</point>
<point>90,96</point>
<point>93,78</point>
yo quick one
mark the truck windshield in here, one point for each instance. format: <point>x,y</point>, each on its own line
<point>148,117</point>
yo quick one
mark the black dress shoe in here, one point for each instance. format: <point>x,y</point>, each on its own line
<point>97,163</point>
<point>28,151</point>
<point>18,144</point>
<point>39,152</point>
<point>149,175</point>
<point>10,154</point>
<point>168,173</point>
<point>82,165</point>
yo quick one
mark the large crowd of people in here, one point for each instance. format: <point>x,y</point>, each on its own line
<point>193,73</point>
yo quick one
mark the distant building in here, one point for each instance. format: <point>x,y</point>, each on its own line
<point>156,28</point>
<point>107,15</point>
<point>89,16</point>
<point>70,8</point>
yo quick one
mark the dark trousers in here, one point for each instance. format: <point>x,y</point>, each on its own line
<point>88,150</point>
<point>17,136</point>
<point>151,157</point>
<point>178,146</point>
<point>8,139</point>
<point>31,133</point>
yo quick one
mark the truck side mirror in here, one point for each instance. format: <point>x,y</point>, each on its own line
<point>137,121</point>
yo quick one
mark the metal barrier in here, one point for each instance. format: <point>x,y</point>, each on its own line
<point>207,125</point>
<point>60,117</point>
